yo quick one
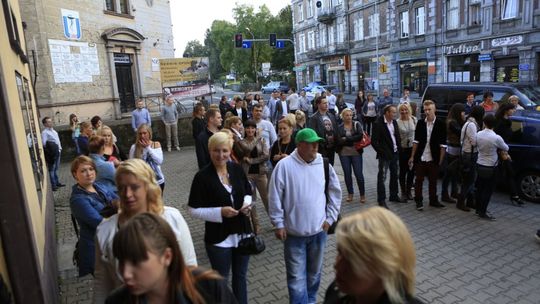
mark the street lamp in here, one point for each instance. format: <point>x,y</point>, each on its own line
<point>253,55</point>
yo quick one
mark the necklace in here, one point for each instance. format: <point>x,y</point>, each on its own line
<point>286,147</point>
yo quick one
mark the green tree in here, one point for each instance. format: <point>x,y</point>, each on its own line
<point>195,49</point>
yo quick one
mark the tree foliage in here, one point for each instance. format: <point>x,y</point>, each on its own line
<point>251,23</point>
<point>195,49</point>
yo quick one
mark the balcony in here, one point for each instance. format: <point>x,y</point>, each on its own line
<point>326,15</point>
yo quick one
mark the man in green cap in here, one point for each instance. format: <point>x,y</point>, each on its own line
<point>299,210</point>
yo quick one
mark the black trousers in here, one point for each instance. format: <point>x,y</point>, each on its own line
<point>485,184</point>
<point>406,176</point>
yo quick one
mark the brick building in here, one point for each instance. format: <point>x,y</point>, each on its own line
<point>367,44</point>
<point>96,57</point>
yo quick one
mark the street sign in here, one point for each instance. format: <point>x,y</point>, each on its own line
<point>280,44</point>
<point>484,57</point>
<point>246,44</point>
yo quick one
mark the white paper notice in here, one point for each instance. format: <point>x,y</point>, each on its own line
<point>73,61</point>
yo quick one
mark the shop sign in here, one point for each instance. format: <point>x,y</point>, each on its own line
<point>299,68</point>
<point>524,67</point>
<point>414,54</point>
<point>122,58</point>
<point>484,57</point>
<point>463,48</point>
<point>504,41</point>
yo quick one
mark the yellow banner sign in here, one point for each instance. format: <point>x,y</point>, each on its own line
<point>183,69</point>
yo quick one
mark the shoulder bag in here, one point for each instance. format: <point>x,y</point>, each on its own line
<point>364,142</point>
<point>251,244</point>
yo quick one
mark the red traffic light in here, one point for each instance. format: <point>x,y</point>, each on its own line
<point>238,40</point>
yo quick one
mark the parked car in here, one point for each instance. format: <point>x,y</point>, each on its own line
<point>446,94</point>
<point>281,86</point>
<point>524,150</point>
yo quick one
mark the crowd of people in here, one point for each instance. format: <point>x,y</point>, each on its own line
<point>280,153</point>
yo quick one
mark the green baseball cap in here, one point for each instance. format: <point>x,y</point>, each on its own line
<point>307,135</point>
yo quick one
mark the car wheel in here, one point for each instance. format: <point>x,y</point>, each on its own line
<point>529,186</point>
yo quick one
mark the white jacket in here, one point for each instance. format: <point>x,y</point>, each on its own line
<point>296,198</point>
<point>106,273</point>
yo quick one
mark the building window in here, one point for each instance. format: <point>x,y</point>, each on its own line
<point>301,43</point>
<point>475,15</point>
<point>509,9</point>
<point>463,68</point>
<point>300,12</point>
<point>404,21</point>
<point>340,32</point>
<point>310,8</point>
<point>124,7</point>
<point>322,36</point>
<point>420,20</point>
<point>358,29</point>
<point>374,25</point>
<point>331,35</point>
<point>311,40</point>
<point>109,5</point>
<point>452,14</point>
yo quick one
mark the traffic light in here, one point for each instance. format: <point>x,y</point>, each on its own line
<point>238,40</point>
<point>273,40</point>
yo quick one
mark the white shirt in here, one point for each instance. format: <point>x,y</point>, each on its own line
<point>268,132</point>
<point>49,134</point>
<point>488,142</point>
<point>390,127</point>
<point>426,156</point>
<point>285,108</point>
<point>294,101</point>
<point>468,136</point>
<point>331,101</point>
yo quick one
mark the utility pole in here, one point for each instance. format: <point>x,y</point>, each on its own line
<point>254,57</point>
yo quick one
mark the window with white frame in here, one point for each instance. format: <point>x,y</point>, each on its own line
<point>374,25</point>
<point>322,36</point>
<point>452,14</point>
<point>475,13</point>
<point>301,43</point>
<point>340,32</point>
<point>338,2</point>
<point>300,12</point>
<point>420,20</point>
<point>311,40</point>
<point>404,21</point>
<point>331,35</point>
<point>310,8</point>
<point>358,25</point>
<point>509,9</point>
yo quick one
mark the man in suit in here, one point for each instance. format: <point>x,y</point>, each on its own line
<point>324,123</point>
<point>385,141</point>
<point>428,154</point>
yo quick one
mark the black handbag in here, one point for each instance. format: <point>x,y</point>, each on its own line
<point>251,244</point>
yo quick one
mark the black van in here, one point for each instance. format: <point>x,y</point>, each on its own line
<point>446,94</point>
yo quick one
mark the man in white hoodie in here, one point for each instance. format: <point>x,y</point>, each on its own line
<point>299,210</point>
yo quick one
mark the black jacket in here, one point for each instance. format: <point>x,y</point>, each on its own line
<point>438,138</point>
<point>349,141</point>
<point>201,148</point>
<point>207,191</point>
<point>244,114</point>
<point>316,123</point>
<point>381,139</point>
<point>197,126</point>
<point>334,296</point>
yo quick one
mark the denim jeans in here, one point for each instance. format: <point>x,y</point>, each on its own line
<point>303,261</point>
<point>451,175</point>
<point>53,172</point>
<point>349,162</point>
<point>222,259</point>
<point>384,165</point>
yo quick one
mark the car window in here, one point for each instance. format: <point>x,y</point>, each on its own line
<point>439,96</point>
<point>533,93</point>
<point>501,95</point>
<point>517,132</point>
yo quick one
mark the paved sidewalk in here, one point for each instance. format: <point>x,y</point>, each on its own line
<point>460,259</point>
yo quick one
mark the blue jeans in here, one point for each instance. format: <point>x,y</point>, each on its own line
<point>53,172</point>
<point>303,261</point>
<point>222,259</point>
<point>356,163</point>
<point>384,165</point>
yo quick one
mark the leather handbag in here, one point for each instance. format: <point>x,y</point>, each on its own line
<point>364,142</point>
<point>251,244</point>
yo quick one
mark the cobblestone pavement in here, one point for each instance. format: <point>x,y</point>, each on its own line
<point>460,258</point>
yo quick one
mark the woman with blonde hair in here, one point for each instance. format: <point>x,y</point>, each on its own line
<point>375,262</point>
<point>300,117</point>
<point>154,270</point>
<point>139,193</point>
<point>149,151</point>
<point>221,196</point>
<point>349,132</point>
<point>112,153</point>
<point>406,125</point>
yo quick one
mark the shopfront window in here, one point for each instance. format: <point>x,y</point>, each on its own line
<point>414,76</point>
<point>507,70</point>
<point>367,74</point>
<point>463,68</point>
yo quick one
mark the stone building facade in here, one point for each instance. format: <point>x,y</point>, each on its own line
<point>375,44</point>
<point>96,57</point>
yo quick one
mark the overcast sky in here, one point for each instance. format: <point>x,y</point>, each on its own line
<point>191,18</point>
